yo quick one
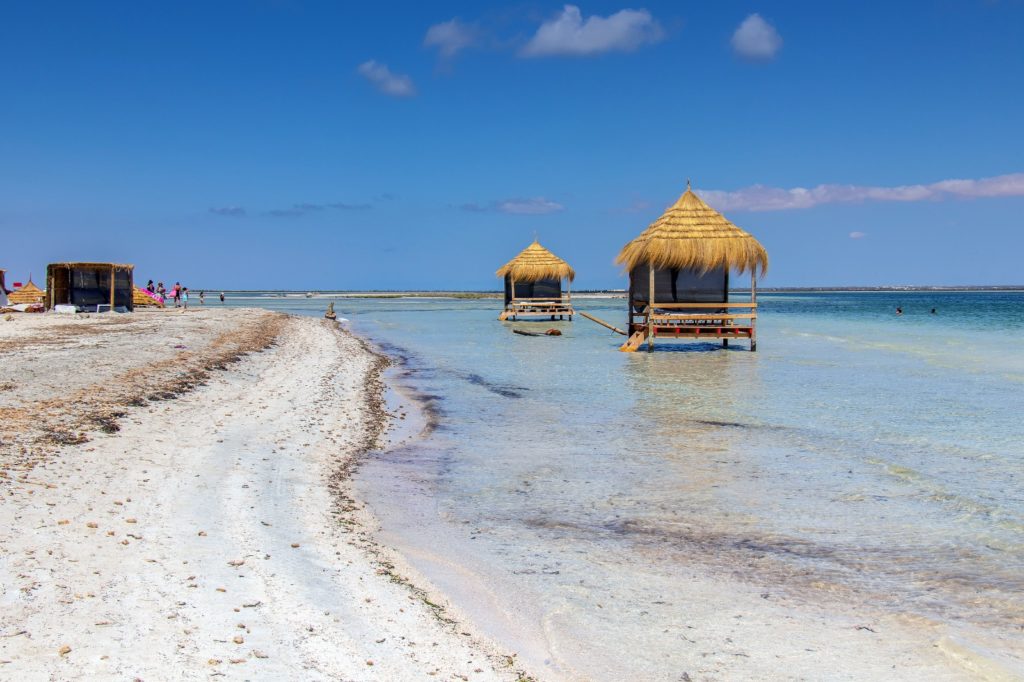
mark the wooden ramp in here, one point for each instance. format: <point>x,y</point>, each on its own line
<point>634,342</point>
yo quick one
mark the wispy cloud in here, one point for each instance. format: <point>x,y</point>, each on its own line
<point>534,206</point>
<point>297,210</point>
<point>228,211</point>
<point>382,78</point>
<point>858,235</point>
<point>762,198</point>
<point>756,39</point>
<point>570,34</point>
<point>451,37</point>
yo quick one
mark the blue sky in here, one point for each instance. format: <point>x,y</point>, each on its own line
<point>315,145</point>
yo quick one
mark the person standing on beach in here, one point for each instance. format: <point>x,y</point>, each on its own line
<point>177,294</point>
<point>222,297</point>
<point>151,288</point>
<point>202,297</point>
<point>183,294</point>
<point>161,291</point>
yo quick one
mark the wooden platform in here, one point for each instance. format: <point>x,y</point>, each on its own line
<point>722,321</point>
<point>538,308</point>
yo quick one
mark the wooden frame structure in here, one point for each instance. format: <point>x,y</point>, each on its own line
<point>3,288</point>
<point>90,285</point>
<point>533,286</point>
<point>679,277</point>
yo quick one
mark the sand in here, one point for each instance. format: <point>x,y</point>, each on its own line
<point>185,513</point>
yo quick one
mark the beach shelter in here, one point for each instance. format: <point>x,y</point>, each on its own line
<point>29,293</point>
<point>533,285</point>
<point>92,287</point>
<point>679,277</point>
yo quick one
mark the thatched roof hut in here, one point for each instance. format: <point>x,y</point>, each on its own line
<point>535,263</point>
<point>533,284</point>
<point>679,275</point>
<point>690,235</point>
<point>88,286</point>
<point>29,293</point>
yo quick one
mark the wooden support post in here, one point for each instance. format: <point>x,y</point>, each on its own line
<point>753,301</point>
<point>113,276</point>
<point>650,308</point>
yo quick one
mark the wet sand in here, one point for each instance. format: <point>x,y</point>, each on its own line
<point>182,513</point>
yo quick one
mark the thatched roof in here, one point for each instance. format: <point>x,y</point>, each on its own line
<point>98,266</point>
<point>29,293</point>
<point>691,235</point>
<point>535,263</point>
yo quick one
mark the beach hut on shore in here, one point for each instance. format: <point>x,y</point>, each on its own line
<point>533,285</point>
<point>92,287</point>
<point>679,277</point>
<point>29,293</point>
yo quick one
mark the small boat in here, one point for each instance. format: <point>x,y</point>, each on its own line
<point>309,294</point>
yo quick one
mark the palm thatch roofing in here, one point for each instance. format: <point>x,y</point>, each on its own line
<point>29,293</point>
<point>535,263</point>
<point>97,266</point>
<point>691,235</point>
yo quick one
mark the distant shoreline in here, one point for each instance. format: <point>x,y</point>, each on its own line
<point>621,292</point>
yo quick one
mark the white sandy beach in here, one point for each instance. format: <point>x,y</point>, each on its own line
<point>211,535</point>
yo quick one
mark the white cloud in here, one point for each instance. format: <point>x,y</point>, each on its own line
<point>761,198</point>
<point>394,84</point>
<point>451,37</point>
<point>534,206</point>
<point>570,34</point>
<point>756,39</point>
<point>858,235</point>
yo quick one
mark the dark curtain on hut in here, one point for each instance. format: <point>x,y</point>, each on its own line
<point>91,287</point>
<point>542,288</point>
<point>678,286</point>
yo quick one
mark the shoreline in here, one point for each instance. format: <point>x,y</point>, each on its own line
<point>210,532</point>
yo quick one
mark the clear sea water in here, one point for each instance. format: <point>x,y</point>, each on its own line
<point>563,493</point>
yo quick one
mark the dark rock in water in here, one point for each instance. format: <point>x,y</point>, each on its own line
<point>330,314</point>
<point>552,332</point>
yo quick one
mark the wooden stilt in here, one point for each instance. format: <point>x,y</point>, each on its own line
<point>113,277</point>
<point>650,309</point>
<point>753,301</point>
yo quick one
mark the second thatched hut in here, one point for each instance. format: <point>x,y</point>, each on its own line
<point>533,285</point>
<point>679,277</point>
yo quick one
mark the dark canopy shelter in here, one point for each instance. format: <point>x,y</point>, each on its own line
<point>89,285</point>
<point>679,275</point>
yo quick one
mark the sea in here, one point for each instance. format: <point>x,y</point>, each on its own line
<point>609,516</point>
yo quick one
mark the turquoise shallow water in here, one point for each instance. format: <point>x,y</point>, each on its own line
<point>858,460</point>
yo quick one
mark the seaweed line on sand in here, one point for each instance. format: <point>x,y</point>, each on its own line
<point>34,432</point>
<point>347,509</point>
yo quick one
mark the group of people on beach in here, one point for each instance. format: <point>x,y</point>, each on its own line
<point>178,294</point>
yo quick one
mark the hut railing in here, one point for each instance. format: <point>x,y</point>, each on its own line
<point>693,320</point>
